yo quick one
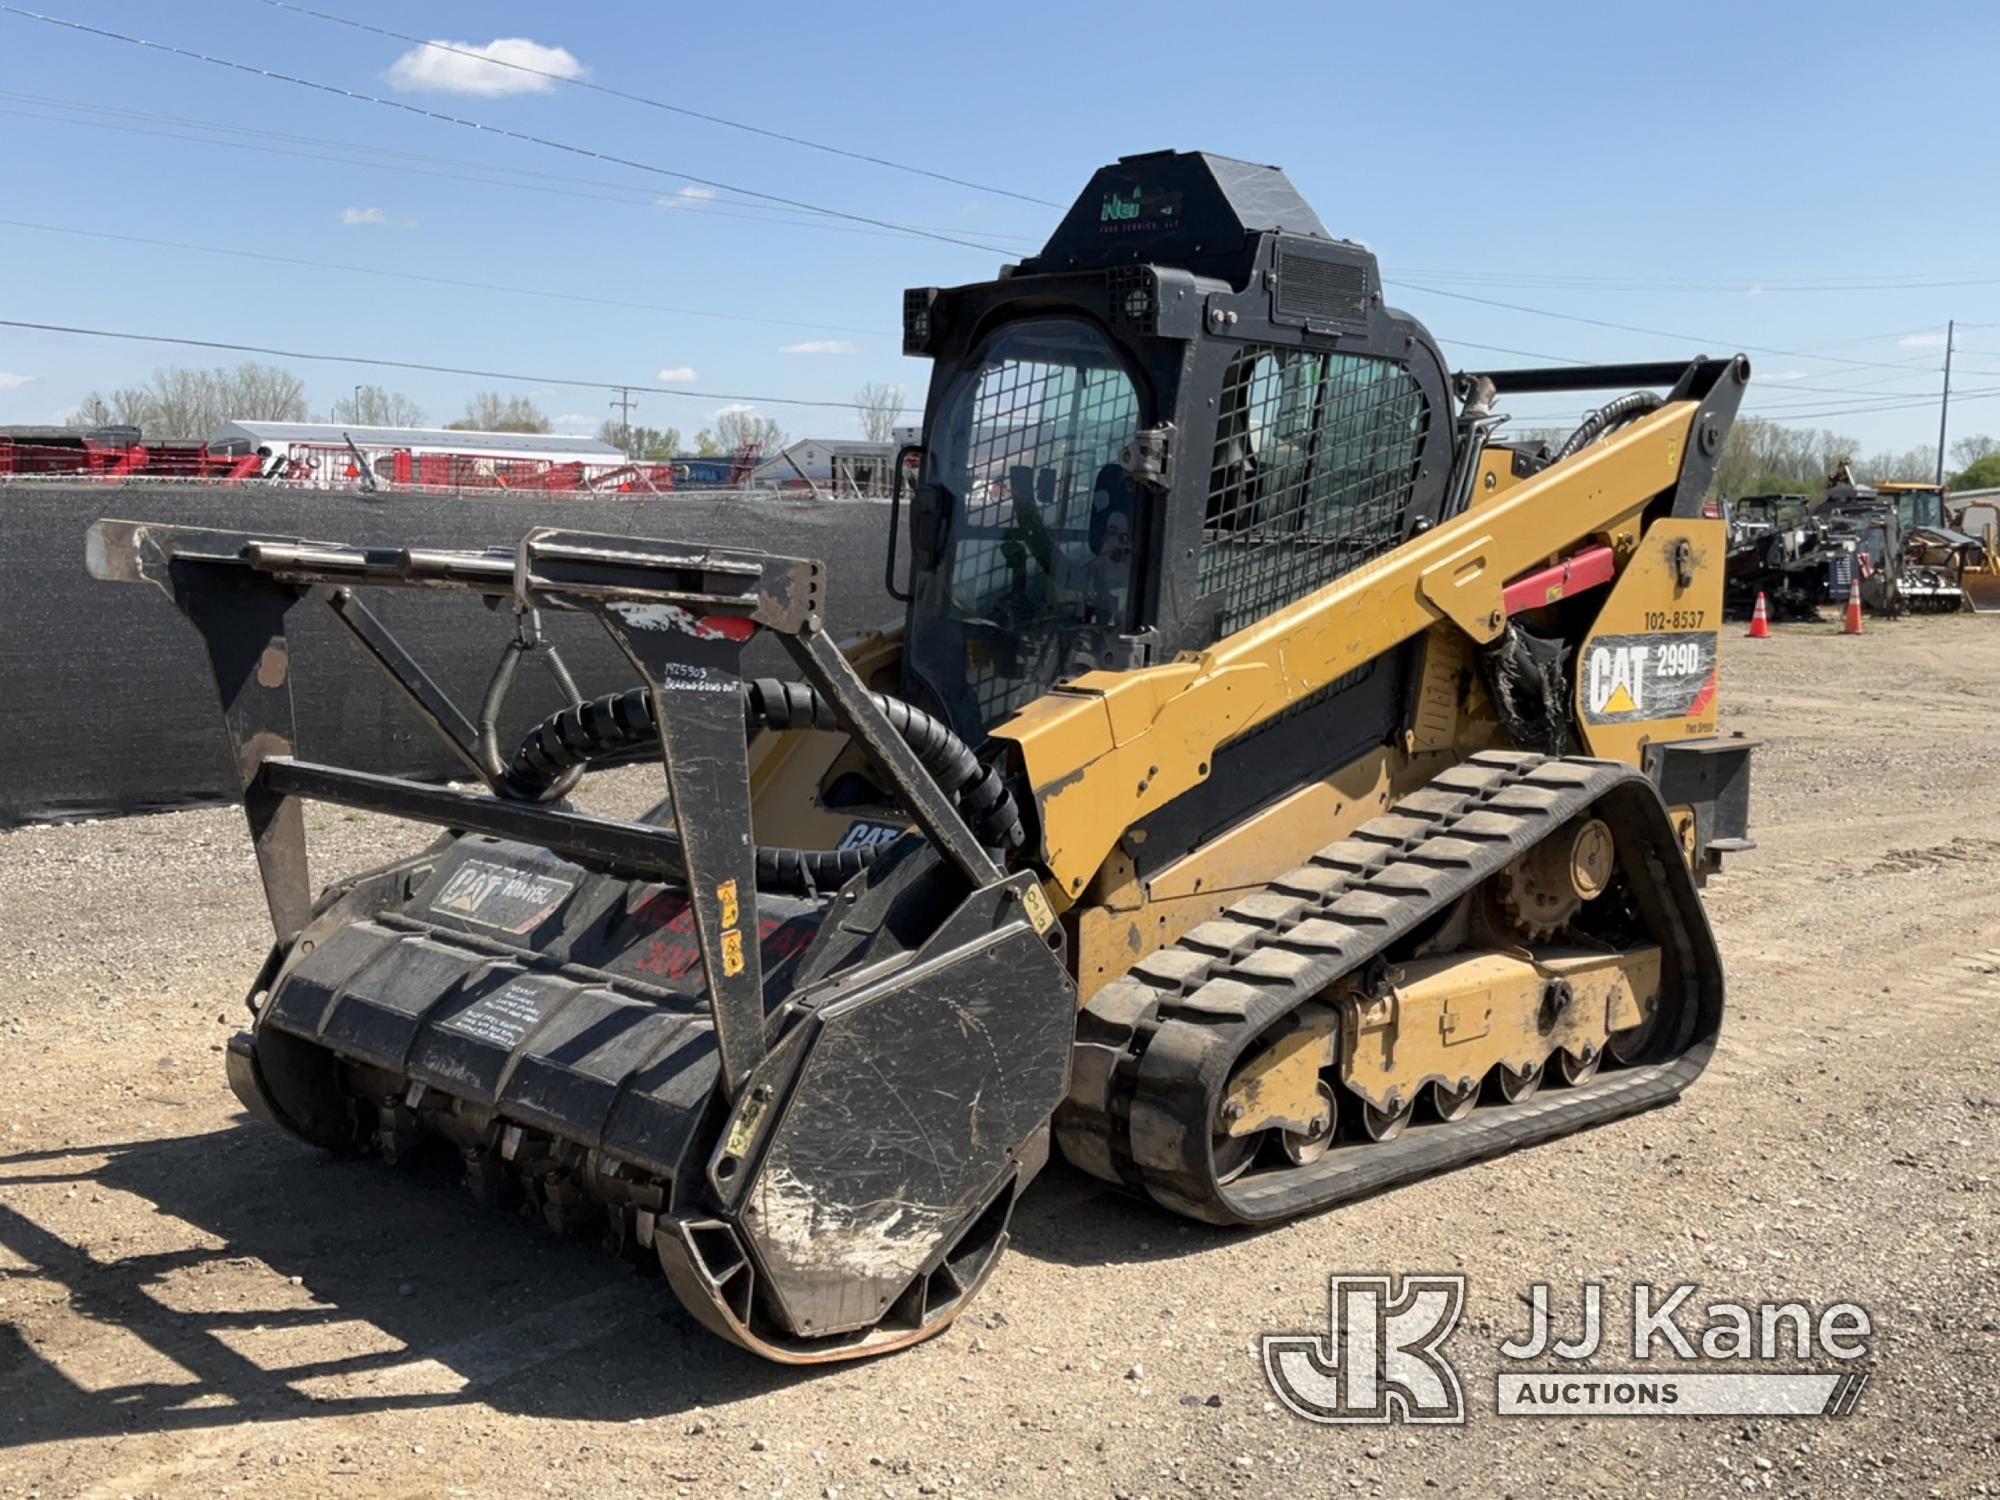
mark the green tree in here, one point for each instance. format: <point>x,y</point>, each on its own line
<point>1968,450</point>
<point>489,411</point>
<point>645,444</point>
<point>1764,457</point>
<point>1781,484</point>
<point>1982,475</point>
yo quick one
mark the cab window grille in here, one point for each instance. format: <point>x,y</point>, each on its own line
<point>1032,456</point>
<point>1315,459</point>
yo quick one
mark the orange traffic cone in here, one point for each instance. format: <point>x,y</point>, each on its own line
<point>1760,620</point>
<point>1852,624</point>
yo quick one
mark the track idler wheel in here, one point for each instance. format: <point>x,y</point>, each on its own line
<point>1302,1150</point>
<point>1454,1103</point>
<point>1385,1124</point>
<point>1577,1071</point>
<point>1510,1087</point>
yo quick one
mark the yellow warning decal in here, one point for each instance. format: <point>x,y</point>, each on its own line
<point>732,951</point>
<point>1039,911</point>
<point>725,895</point>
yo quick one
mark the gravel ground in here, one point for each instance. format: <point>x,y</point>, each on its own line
<point>191,1304</point>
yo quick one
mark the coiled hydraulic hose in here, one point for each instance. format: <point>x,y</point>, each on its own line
<point>1612,414</point>
<point>619,722</point>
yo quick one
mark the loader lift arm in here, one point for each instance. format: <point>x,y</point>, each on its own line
<point>1104,749</point>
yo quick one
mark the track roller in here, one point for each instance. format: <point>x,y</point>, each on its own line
<point>1391,968</point>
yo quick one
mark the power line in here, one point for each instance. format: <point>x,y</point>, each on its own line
<point>789,202</point>
<point>450,281</point>
<point>1772,390</point>
<point>1909,402</point>
<point>1985,393</point>
<point>1557,359</point>
<point>410,364</point>
<point>545,142</point>
<point>1543,312</point>
<point>651,103</point>
<point>1749,285</point>
<point>703,209</point>
<point>542,182</point>
<point>684,176</point>
<point>1873,338</point>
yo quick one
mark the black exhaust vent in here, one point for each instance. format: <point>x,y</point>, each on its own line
<point>1321,284</point>
<point>1135,297</point>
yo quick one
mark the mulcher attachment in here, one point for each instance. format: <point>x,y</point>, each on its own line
<point>814,1103</point>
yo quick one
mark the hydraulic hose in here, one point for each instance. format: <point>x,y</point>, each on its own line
<point>617,723</point>
<point>1608,416</point>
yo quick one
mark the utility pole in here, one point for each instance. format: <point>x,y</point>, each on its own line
<point>624,405</point>
<point>1944,405</point>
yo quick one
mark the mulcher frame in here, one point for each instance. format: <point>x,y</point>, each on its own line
<point>681,615</point>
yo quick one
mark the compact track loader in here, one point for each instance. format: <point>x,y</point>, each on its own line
<point>1280,789</point>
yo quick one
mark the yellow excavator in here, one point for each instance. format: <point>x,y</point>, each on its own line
<point>1281,788</point>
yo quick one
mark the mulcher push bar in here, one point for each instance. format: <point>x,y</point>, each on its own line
<point>632,848</point>
<point>682,615</point>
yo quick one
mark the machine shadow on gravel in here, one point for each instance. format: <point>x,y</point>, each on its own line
<point>442,1277</point>
<point>1069,1218</point>
<point>470,1309</point>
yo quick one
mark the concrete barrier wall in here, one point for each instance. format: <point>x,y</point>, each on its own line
<point>106,702</point>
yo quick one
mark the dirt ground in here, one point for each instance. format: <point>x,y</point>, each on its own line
<point>190,1304</point>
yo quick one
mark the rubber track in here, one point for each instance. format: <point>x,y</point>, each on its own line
<point>1156,1048</point>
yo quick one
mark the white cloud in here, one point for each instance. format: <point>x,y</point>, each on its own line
<point>1921,341</point>
<point>9,381</point>
<point>694,195</point>
<point>363,216</point>
<point>823,346</point>
<point>473,69</point>
<point>582,421</point>
<point>1783,375</point>
<point>1755,291</point>
<point>676,375</point>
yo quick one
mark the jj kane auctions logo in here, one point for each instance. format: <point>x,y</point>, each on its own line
<point>1382,1357</point>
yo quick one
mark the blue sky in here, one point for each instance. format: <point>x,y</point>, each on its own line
<point>1736,176</point>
